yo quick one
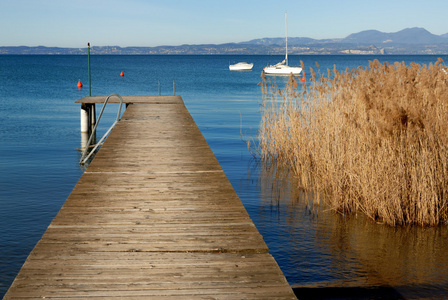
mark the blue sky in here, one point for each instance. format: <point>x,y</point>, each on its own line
<point>73,23</point>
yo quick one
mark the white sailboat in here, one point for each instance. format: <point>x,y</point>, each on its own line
<point>282,68</point>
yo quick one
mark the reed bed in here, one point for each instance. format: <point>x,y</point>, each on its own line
<point>371,140</point>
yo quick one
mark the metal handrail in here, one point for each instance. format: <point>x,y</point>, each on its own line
<point>84,158</point>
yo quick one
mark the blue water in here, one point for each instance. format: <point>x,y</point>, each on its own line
<point>317,250</point>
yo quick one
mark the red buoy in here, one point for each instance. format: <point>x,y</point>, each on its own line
<point>122,74</point>
<point>303,77</point>
<point>79,84</point>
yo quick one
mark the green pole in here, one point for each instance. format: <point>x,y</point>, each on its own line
<point>88,58</point>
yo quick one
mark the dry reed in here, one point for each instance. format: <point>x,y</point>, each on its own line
<point>368,139</point>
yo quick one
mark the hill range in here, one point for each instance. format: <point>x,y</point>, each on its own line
<point>407,41</point>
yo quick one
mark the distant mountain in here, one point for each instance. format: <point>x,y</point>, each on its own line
<point>414,35</point>
<point>407,41</point>
<point>410,36</point>
<point>281,41</point>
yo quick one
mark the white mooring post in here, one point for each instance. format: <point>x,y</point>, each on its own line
<point>85,118</point>
<point>84,140</point>
<point>88,117</point>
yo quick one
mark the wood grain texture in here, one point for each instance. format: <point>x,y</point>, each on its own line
<point>153,217</point>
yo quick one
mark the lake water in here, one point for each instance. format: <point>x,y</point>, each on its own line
<point>319,252</point>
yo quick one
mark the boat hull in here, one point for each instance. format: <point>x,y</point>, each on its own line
<point>242,66</point>
<point>282,70</point>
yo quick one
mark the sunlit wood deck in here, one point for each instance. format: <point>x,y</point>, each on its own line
<point>153,216</point>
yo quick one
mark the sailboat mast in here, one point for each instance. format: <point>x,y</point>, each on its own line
<point>286,39</point>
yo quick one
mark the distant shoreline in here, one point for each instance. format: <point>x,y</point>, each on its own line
<point>275,50</point>
<point>233,49</point>
<point>410,41</point>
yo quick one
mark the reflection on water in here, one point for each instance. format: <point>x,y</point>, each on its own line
<point>336,254</point>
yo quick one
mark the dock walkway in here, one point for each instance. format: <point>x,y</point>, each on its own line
<point>153,217</point>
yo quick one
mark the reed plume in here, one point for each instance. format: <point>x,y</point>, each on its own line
<point>371,140</point>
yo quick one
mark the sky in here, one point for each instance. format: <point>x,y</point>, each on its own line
<point>73,23</point>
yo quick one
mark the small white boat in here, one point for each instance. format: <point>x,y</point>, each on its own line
<point>282,68</point>
<point>241,66</point>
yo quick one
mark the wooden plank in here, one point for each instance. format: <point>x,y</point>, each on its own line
<point>154,274</point>
<point>133,99</point>
<point>153,216</point>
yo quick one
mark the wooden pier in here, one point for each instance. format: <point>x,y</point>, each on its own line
<point>152,217</point>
